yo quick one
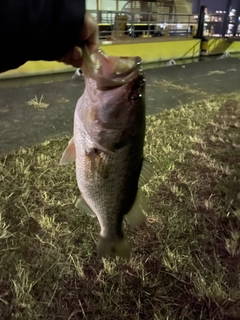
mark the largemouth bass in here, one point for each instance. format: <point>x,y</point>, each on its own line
<point>107,145</point>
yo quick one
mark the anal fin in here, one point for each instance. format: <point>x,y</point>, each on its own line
<point>136,216</point>
<point>82,205</point>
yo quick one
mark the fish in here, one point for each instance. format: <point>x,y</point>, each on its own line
<point>107,147</point>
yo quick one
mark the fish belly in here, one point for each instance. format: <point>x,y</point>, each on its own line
<point>107,180</point>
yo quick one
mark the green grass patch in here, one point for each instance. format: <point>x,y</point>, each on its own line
<point>185,262</point>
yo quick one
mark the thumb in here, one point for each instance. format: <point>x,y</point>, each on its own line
<point>76,53</point>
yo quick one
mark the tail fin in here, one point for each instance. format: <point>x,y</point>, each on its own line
<point>108,248</point>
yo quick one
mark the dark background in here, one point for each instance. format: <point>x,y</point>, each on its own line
<point>213,5</point>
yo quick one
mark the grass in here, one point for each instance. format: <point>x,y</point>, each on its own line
<point>185,262</point>
<point>215,72</point>
<point>37,103</point>
<point>184,88</point>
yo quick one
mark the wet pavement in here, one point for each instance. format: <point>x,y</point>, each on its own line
<point>22,125</point>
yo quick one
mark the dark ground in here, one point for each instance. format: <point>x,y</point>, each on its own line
<point>22,125</point>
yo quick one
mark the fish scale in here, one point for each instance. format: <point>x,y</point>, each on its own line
<point>101,193</point>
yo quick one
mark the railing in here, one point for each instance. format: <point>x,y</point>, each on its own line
<point>214,24</point>
<point>128,24</point>
<point>143,24</point>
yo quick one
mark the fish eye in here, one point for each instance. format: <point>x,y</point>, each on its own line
<point>135,97</point>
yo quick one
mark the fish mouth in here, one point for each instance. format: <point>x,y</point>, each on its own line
<point>112,72</point>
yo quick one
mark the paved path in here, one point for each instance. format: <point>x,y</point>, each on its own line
<point>21,125</point>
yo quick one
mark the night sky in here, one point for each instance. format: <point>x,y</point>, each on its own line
<point>213,5</point>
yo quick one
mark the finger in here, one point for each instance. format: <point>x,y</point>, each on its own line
<point>90,33</point>
<point>76,63</point>
<point>67,58</point>
<point>76,53</point>
<point>73,57</point>
<point>92,43</point>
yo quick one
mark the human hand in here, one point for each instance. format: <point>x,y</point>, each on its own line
<point>89,36</point>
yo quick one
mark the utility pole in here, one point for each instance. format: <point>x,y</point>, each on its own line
<point>201,18</point>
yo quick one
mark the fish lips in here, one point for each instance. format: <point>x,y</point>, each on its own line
<point>119,79</point>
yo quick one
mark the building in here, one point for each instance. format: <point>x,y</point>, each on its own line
<point>159,6</point>
<point>213,6</point>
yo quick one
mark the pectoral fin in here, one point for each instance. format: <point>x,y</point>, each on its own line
<point>136,216</point>
<point>69,154</point>
<point>82,205</point>
<point>147,172</point>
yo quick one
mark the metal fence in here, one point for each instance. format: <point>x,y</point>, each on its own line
<point>139,24</point>
<point>130,24</point>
